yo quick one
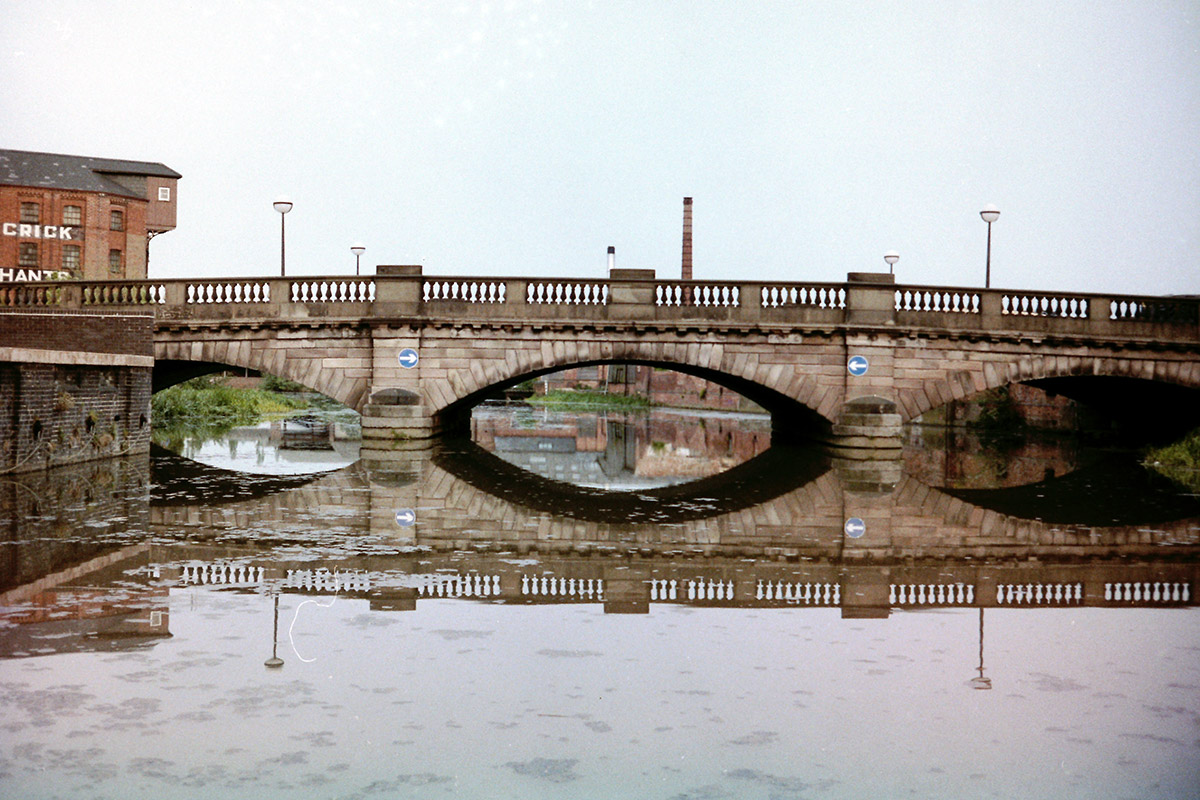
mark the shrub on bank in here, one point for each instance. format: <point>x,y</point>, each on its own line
<point>591,398</point>
<point>205,398</point>
<point>1179,461</point>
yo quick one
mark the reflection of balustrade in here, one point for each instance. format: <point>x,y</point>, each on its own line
<point>474,585</point>
<point>806,593</point>
<point>221,574</point>
<point>586,589</point>
<point>701,589</point>
<point>1148,592</point>
<point>1039,594</point>
<point>932,594</point>
<point>323,580</point>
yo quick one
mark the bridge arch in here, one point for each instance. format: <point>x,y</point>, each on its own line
<point>325,367</point>
<point>1169,387</point>
<point>788,397</point>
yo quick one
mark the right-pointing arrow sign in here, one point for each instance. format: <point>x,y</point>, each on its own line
<point>408,358</point>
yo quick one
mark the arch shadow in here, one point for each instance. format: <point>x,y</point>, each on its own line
<point>779,470</point>
<point>1110,491</point>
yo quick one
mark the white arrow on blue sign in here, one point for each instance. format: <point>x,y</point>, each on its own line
<point>408,358</point>
<point>406,517</point>
<point>855,527</point>
<point>857,365</point>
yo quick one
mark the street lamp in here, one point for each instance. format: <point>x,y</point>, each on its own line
<point>989,214</point>
<point>358,250</point>
<point>283,205</point>
<point>891,257</point>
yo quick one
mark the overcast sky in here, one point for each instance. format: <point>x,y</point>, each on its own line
<point>524,138</point>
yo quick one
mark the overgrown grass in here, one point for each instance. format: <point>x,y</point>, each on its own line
<point>207,399</point>
<point>1179,461</point>
<point>592,398</point>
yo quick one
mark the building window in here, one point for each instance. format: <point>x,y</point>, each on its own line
<point>118,220</point>
<point>28,254</point>
<point>114,260</point>
<point>164,194</point>
<point>72,215</point>
<point>71,257</point>
<point>30,213</point>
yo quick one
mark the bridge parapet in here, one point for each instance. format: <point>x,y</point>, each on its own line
<point>629,296</point>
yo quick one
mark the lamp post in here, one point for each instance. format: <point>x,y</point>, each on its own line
<point>358,250</point>
<point>891,257</point>
<point>989,214</point>
<point>283,205</point>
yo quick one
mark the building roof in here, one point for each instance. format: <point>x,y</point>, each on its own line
<point>74,173</point>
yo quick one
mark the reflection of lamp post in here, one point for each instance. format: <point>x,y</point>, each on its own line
<point>891,257</point>
<point>358,250</point>
<point>980,682</point>
<point>275,661</point>
<point>283,205</point>
<point>989,214</point>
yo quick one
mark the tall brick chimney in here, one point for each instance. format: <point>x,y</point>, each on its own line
<point>686,273</point>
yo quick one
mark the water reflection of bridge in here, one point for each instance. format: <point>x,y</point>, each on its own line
<point>752,538</point>
<point>473,501</point>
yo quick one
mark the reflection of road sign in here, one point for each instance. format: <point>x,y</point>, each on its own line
<point>857,365</point>
<point>406,517</point>
<point>408,358</point>
<point>855,527</point>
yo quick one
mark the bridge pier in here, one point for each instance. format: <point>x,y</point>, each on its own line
<point>867,428</point>
<point>395,421</point>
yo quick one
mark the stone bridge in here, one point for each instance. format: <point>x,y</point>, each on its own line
<point>844,362</point>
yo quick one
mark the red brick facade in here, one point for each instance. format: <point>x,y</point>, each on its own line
<point>91,221</point>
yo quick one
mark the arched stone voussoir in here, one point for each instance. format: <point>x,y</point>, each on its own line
<point>1025,368</point>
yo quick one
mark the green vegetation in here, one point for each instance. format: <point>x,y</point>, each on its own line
<point>1179,461</point>
<point>271,383</point>
<point>592,398</point>
<point>207,399</point>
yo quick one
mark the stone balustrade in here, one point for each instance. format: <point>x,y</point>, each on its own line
<point>631,296</point>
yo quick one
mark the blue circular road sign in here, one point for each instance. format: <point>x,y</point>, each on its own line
<point>406,517</point>
<point>857,365</point>
<point>855,527</point>
<point>408,358</point>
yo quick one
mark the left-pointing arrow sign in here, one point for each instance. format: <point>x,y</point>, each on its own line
<point>407,358</point>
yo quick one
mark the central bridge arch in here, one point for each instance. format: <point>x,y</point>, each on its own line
<point>787,414</point>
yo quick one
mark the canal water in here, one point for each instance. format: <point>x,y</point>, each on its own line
<point>599,605</point>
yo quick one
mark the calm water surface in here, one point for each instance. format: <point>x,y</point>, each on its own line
<point>594,606</point>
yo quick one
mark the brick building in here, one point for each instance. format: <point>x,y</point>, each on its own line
<point>75,217</point>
